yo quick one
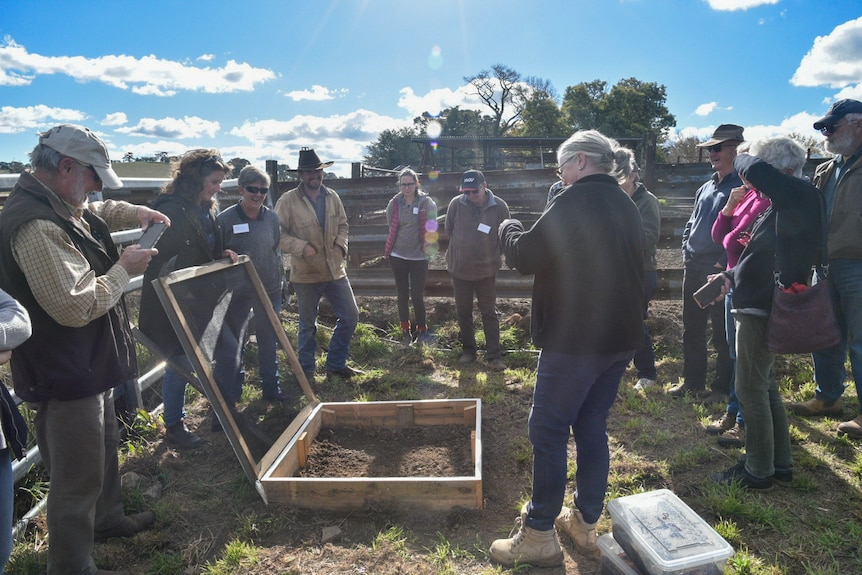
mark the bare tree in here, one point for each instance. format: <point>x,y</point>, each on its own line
<point>505,94</point>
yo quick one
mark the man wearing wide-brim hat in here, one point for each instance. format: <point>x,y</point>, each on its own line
<point>840,180</point>
<point>314,232</point>
<point>702,257</point>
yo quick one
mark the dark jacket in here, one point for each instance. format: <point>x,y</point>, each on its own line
<point>473,254</point>
<point>184,244</point>
<point>796,205</point>
<point>650,211</point>
<point>586,251</point>
<point>61,362</point>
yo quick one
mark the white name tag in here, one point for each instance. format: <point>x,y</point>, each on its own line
<point>416,209</point>
<point>484,228</point>
<point>240,228</point>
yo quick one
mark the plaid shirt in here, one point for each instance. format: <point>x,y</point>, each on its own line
<point>59,275</point>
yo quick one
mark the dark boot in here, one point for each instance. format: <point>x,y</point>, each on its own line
<point>178,436</point>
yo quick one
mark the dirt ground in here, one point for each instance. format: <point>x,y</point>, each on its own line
<point>206,501</point>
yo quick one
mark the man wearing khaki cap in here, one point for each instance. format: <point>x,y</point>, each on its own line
<point>57,258</point>
<point>703,257</point>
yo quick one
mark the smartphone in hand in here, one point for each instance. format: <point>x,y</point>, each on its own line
<point>708,293</point>
<point>152,235</point>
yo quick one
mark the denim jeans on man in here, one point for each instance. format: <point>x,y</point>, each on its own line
<point>174,391</point>
<point>573,393</point>
<point>410,276</point>
<point>694,320</point>
<point>845,287</point>
<point>767,430</point>
<point>339,294</point>
<point>485,290</point>
<point>644,359</point>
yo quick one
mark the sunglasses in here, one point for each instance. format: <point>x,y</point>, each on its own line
<point>471,191</point>
<point>829,130</point>
<point>719,147</point>
<point>256,190</point>
<point>96,177</point>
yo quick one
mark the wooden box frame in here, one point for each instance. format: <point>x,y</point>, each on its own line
<point>273,474</point>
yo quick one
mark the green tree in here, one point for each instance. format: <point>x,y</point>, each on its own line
<point>238,164</point>
<point>394,148</point>
<point>541,118</point>
<point>631,108</point>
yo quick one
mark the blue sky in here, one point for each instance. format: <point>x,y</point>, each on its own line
<point>261,79</point>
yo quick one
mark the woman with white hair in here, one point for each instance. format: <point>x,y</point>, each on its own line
<point>586,251</point>
<point>786,237</point>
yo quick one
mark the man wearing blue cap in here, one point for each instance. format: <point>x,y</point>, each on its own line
<point>840,180</point>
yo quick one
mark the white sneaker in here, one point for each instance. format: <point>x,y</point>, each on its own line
<point>644,383</point>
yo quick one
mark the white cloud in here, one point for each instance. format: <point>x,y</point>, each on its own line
<point>115,119</point>
<point>341,138</point>
<point>802,123</point>
<point>705,109</point>
<point>317,93</point>
<point>733,5</point>
<point>179,128</point>
<point>148,75</point>
<point>16,120</point>
<point>834,60</point>
<point>438,100</point>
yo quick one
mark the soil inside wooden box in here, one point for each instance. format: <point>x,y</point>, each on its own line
<point>428,451</point>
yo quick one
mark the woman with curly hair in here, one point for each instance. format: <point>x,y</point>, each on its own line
<point>191,240</point>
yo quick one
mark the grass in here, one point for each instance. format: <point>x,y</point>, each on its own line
<point>811,528</point>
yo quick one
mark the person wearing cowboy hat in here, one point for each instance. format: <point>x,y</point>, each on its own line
<point>703,257</point>
<point>314,233</point>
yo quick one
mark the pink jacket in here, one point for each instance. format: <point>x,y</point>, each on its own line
<point>733,232</point>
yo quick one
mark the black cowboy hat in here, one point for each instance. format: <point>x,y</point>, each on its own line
<point>308,160</point>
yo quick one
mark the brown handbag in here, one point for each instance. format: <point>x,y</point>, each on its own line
<point>803,322</point>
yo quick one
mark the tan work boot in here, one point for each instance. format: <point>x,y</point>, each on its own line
<point>583,534</point>
<point>726,423</point>
<point>852,428</point>
<point>539,548</point>
<point>817,407</point>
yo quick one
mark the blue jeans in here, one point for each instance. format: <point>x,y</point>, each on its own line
<point>730,327</point>
<point>645,356</point>
<point>339,294</point>
<point>410,278</point>
<point>229,352</point>
<point>767,431</point>
<point>7,503</point>
<point>174,392</point>
<point>573,393</point>
<point>267,345</point>
<point>845,287</point>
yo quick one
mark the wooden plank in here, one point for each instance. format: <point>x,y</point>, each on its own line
<point>303,444</point>
<point>405,415</point>
<point>431,493</point>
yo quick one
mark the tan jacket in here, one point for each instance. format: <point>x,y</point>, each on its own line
<point>299,226</point>
<point>845,230</point>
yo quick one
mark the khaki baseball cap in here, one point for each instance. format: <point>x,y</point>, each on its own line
<point>79,143</point>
